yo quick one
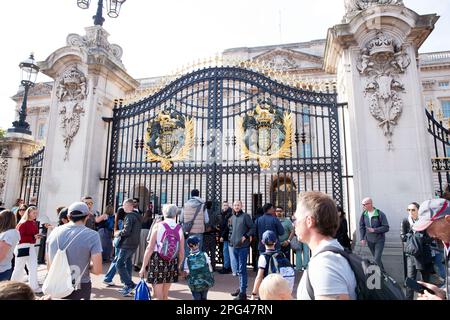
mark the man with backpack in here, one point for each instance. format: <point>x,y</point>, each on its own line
<point>129,238</point>
<point>272,261</point>
<point>434,218</point>
<point>329,273</point>
<point>333,273</point>
<point>83,251</point>
<point>373,225</point>
<point>193,218</point>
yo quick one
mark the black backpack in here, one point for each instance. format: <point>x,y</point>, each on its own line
<point>372,283</point>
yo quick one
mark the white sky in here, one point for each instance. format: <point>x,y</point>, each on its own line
<point>159,36</point>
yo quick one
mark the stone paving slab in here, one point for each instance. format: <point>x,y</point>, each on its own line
<point>224,285</point>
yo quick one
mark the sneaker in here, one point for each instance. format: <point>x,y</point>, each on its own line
<point>241,297</point>
<point>109,283</point>
<point>225,271</point>
<point>236,293</point>
<point>127,292</point>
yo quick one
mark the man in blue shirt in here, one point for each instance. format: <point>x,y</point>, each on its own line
<point>268,222</point>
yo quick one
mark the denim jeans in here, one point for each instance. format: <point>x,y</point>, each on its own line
<point>200,295</point>
<point>241,255</point>
<point>6,275</point>
<point>302,257</point>
<point>226,255</point>
<point>105,238</point>
<point>377,251</point>
<point>124,265</point>
<point>233,261</point>
<point>112,267</point>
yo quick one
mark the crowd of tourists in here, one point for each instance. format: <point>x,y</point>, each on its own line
<point>313,244</point>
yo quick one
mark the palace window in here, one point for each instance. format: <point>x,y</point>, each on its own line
<point>444,84</point>
<point>306,115</point>
<point>306,150</point>
<point>446,108</point>
<point>41,131</point>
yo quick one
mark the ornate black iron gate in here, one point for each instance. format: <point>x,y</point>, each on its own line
<point>31,176</point>
<point>231,133</point>
<point>439,161</point>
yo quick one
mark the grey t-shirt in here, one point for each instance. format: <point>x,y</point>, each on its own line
<point>11,237</point>
<point>79,252</point>
<point>329,273</point>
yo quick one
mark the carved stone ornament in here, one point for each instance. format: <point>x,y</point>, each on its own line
<point>353,7</point>
<point>71,92</point>
<point>95,40</point>
<point>4,154</point>
<point>382,61</point>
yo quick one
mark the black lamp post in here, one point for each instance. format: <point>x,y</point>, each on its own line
<point>29,75</point>
<point>113,9</point>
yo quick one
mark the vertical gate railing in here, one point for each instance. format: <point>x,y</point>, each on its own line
<point>31,176</point>
<point>216,99</point>
<point>440,158</point>
<point>346,169</point>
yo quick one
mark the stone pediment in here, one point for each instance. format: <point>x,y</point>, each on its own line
<point>290,60</point>
<point>40,89</point>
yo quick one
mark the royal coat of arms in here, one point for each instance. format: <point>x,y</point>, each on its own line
<point>169,137</point>
<point>265,133</point>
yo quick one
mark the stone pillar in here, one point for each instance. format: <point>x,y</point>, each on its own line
<point>13,149</point>
<point>88,76</point>
<point>374,54</point>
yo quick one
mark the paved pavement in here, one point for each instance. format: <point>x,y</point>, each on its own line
<point>224,285</point>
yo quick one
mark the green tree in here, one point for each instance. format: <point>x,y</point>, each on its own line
<point>2,133</point>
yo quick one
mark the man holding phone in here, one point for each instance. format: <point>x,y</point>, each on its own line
<point>434,217</point>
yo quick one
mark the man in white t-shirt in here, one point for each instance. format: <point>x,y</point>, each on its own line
<point>330,274</point>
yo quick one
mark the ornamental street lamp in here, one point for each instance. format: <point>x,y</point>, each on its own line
<point>29,75</point>
<point>112,8</point>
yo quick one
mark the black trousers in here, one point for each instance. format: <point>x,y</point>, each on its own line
<point>84,293</point>
<point>412,273</point>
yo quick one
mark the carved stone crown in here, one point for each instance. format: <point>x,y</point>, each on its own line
<point>381,43</point>
<point>72,77</point>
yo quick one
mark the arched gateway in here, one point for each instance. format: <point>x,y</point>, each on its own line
<point>233,134</point>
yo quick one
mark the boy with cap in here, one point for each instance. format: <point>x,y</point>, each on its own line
<point>272,261</point>
<point>434,217</point>
<point>198,268</point>
<point>83,249</point>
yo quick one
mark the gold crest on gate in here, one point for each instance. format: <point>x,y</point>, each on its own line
<point>265,133</point>
<point>169,137</point>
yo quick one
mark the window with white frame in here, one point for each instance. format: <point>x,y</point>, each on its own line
<point>446,108</point>
<point>444,84</point>
<point>306,150</point>
<point>41,131</point>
